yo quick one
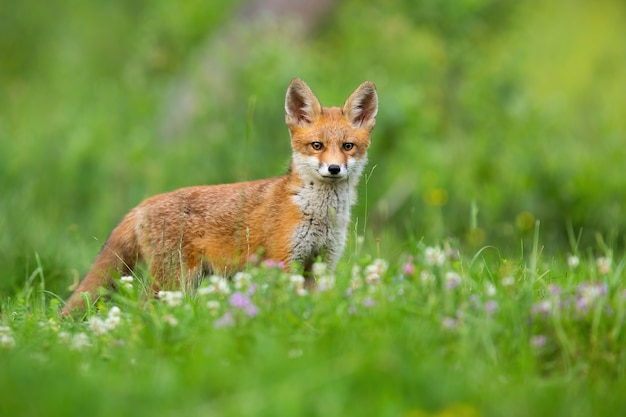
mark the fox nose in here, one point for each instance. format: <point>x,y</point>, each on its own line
<point>334,169</point>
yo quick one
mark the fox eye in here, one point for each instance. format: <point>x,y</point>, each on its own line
<point>348,146</point>
<point>317,146</point>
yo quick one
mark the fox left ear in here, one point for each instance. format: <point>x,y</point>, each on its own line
<point>362,105</point>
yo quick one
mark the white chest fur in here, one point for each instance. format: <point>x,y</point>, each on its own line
<point>325,218</point>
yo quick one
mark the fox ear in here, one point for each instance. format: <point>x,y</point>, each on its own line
<point>301,105</point>
<point>362,105</point>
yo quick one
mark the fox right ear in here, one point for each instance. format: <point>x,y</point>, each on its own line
<point>301,105</point>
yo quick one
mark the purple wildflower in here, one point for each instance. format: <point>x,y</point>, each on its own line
<point>434,256</point>
<point>449,323</point>
<point>368,302</point>
<point>491,307</point>
<point>251,310</point>
<point>408,268</point>
<point>251,290</point>
<point>226,320</point>
<point>239,300</point>
<point>554,289</point>
<point>271,263</point>
<point>538,341</point>
<point>588,294</point>
<point>474,301</point>
<point>582,304</point>
<point>253,258</point>
<point>243,302</point>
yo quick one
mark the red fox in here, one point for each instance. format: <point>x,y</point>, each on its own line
<point>292,219</point>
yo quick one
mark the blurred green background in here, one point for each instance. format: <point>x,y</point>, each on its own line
<point>493,114</point>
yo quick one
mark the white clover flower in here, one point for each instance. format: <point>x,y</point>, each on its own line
<point>64,336</point>
<point>375,270</point>
<point>213,306</point>
<point>298,284</point>
<point>6,337</point>
<point>434,256</point>
<point>427,277</point>
<point>356,281</point>
<point>205,290</point>
<point>319,268</point>
<point>604,265</point>
<point>171,320</point>
<point>378,266</point>
<point>115,312</point>
<point>508,281</point>
<point>97,325</point>
<point>127,282</point>
<point>80,341</point>
<point>325,282</point>
<point>114,318</point>
<point>217,285</point>
<point>452,280</point>
<point>241,280</point>
<point>372,279</point>
<point>296,279</point>
<point>490,289</point>
<point>542,307</point>
<point>172,298</point>
<point>573,261</point>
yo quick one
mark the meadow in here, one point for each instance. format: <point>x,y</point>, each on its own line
<point>485,270</point>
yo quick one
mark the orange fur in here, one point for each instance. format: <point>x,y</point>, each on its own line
<point>292,219</point>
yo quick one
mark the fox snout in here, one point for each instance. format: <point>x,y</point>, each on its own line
<point>333,171</point>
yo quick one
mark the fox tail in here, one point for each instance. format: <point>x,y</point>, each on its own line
<point>117,256</point>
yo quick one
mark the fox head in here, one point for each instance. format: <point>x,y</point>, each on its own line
<point>330,143</point>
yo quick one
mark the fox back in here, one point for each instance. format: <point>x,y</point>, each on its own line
<point>292,219</point>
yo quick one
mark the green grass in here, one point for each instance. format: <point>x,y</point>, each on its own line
<point>433,333</point>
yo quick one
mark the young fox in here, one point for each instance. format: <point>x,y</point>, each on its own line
<point>292,219</point>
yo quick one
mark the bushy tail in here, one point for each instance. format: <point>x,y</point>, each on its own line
<point>117,256</point>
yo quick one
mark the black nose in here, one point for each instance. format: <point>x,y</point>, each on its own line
<point>334,169</point>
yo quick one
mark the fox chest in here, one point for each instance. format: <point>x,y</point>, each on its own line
<point>324,222</point>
